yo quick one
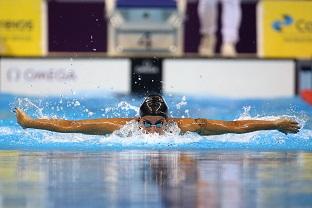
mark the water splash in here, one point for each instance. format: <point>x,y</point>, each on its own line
<point>246,113</point>
<point>181,109</point>
<point>122,107</point>
<point>183,102</point>
<point>26,104</point>
<point>131,137</point>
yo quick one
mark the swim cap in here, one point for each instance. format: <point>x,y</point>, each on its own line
<point>154,105</point>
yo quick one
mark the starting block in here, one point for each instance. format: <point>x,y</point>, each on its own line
<point>145,27</point>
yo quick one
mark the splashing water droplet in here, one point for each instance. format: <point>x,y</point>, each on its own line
<point>77,103</point>
<point>246,113</point>
<point>187,113</point>
<point>182,103</point>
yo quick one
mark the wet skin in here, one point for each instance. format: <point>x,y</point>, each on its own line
<point>153,120</point>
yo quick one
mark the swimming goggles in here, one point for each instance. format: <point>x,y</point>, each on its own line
<point>148,124</point>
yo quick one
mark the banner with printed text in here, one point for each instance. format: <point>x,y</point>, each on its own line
<point>285,29</point>
<point>22,27</point>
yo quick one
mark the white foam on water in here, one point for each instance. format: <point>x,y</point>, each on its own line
<point>304,134</point>
<point>129,135</point>
<point>247,137</point>
<point>7,131</point>
<point>66,137</point>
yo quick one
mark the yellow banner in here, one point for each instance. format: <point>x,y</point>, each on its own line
<point>21,28</point>
<point>285,28</point>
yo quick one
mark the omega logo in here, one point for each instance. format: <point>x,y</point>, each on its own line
<point>31,75</point>
<point>13,74</point>
<point>146,67</point>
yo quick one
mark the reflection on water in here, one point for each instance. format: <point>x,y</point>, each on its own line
<point>155,179</point>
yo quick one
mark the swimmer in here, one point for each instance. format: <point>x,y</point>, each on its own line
<point>154,119</point>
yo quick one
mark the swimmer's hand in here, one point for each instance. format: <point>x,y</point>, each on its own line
<point>287,125</point>
<point>22,118</point>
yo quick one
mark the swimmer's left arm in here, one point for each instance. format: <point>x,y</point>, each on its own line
<point>215,127</point>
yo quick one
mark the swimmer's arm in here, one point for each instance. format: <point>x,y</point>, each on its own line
<point>91,126</point>
<point>215,127</point>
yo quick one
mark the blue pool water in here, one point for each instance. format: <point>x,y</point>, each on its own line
<point>261,169</point>
<point>80,107</point>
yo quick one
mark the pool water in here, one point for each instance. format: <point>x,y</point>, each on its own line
<point>260,169</point>
<point>155,179</point>
<point>79,107</point>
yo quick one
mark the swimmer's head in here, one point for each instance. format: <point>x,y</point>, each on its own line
<point>153,114</point>
<point>154,105</point>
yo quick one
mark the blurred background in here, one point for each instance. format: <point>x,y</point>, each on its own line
<point>227,48</point>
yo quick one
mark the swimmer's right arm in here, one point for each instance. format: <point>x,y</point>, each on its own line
<point>90,126</point>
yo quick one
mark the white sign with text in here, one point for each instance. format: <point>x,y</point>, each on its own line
<point>61,76</point>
